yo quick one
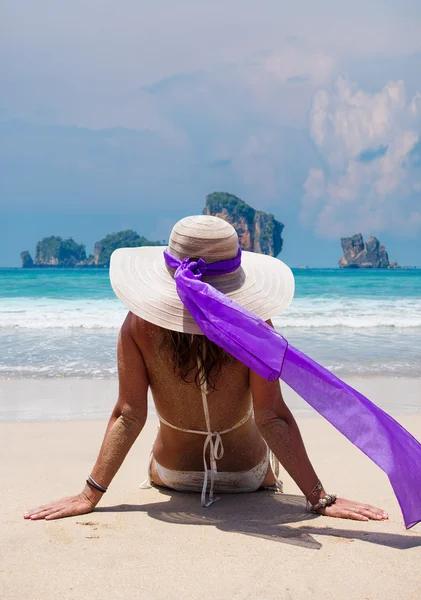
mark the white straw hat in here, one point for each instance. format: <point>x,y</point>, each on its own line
<point>142,281</point>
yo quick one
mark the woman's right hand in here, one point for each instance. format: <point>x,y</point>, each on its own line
<point>66,507</point>
<point>349,509</point>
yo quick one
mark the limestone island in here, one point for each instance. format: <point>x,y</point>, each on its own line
<point>358,254</point>
<point>257,231</point>
<point>55,252</point>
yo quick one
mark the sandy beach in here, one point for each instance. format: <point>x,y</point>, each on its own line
<point>152,544</point>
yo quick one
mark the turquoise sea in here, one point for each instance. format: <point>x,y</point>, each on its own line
<point>64,323</point>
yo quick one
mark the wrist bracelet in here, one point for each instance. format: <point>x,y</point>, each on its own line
<point>316,489</point>
<point>93,484</point>
<point>327,500</point>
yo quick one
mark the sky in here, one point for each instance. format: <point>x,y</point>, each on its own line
<point>126,115</point>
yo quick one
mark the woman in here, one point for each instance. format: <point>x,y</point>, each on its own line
<point>219,418</point>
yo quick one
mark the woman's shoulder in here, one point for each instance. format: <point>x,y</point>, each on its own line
<point>132,323</point>
<point>142,331</point>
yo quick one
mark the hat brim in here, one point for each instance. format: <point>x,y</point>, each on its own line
<point>141,280</point>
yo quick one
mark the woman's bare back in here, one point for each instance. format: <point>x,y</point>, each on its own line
<point>180,403</point>
<point>144,362</point>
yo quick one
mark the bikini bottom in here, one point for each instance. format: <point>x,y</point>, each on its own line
<point>224,482</point>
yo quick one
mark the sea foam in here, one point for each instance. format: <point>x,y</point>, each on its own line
<point>108,314</point>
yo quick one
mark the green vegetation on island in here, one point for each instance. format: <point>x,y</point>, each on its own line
<point>123,239</point>
<point>235,207</point>
<point>53,251</point>
<point>257,231</point>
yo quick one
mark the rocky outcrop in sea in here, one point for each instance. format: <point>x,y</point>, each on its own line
<point>53,251</point>
<point>257,231</point>
<point>123,239</point>
<point>358,254</point>
<point>26,258</point>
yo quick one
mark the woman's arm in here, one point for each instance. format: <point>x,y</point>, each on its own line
<point>126,422</point>
<point>280,430</point>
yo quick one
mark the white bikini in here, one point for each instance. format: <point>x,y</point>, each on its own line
<point>221,482</point>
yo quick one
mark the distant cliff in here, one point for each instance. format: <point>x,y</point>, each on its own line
<point>55,252</point>
<point>360,255</point>
<point>257,231</point>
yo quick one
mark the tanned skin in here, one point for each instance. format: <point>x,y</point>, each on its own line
<point>143,362</point>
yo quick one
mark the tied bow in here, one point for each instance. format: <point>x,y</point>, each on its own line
<point>216,452</point>
<point>197,268</point>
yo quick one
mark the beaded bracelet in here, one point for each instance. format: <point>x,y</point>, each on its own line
<point>93,484</point>
<point>327,500</point>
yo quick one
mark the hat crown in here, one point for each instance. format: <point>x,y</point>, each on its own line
<point>203,236</point>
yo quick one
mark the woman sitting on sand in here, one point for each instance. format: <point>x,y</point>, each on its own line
<point>220,419</point>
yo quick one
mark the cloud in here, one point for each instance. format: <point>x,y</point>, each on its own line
<point>274,85</point>
<point>371,177</point>
<point>299,64</point>
<point>248,120</point>
<point>83,63</point>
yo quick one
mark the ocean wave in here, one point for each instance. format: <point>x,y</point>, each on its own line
<point>348,322</point>
<point>78,353</point>
<point>384,368</point>
<point>46,313</point>
<point>304,313</point>
<point>318,313</point>
<point>56,372</point>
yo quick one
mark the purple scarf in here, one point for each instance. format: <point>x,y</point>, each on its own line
<point>252,341</point>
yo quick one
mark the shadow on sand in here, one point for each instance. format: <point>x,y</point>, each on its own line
<point>260,514</point>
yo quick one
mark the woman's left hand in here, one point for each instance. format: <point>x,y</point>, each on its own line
<point>349,509</point>
<point>66,507</point>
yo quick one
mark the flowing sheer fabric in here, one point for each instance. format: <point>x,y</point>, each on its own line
<point>252,341</point>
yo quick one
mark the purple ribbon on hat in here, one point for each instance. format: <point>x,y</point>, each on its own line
<point>252,341</point>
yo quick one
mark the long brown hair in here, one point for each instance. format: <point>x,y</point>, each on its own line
<point>187,350</point>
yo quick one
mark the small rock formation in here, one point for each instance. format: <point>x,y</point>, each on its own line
<point>26,258</point>
<point>360,255</point>
<point>257,231</point>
